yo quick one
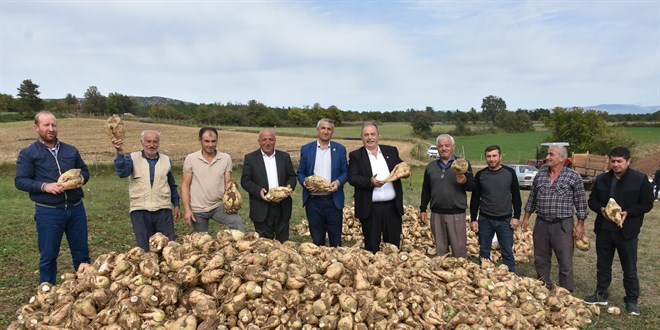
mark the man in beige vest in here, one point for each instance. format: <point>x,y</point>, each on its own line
<point>151,188</point>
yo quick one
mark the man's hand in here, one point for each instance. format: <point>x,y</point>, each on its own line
<point>231,211</point>
<point>311,189</point>
<point>334,185</point>
<point>624,215</point>
<point>189,217</point>
<point>578,231</point>
<point>461,179</point>
<point>525,223</point>
<point>474,225</point>
<point>119,145</point>
<point>177,213</point>
<point>424,217</point>
<point>262,194</point>
<point>376,183</point>
<point>54,188</point>
<point>514,223</point>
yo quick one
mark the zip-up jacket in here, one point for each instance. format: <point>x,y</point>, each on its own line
<point>37,166</point>
<point>634,193</point>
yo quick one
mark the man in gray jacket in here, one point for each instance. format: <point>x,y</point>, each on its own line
<point>445,190</point>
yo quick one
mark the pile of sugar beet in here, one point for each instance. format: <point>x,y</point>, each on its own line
<point>241,281</point>
<point>416,235</point>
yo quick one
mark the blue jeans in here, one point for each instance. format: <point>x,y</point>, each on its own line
<point>324,217</point>
<point>489,227</point>
<point>52,224</point>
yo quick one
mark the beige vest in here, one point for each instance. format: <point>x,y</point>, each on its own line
<point>144,196</point>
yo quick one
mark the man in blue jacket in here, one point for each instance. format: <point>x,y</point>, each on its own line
<point>632,190</point>
<point>57,211</point>
<point>324,208</point>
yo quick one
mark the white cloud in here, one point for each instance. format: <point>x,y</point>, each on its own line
<point>356,55</point>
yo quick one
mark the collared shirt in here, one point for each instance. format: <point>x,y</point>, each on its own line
<point>323,164</point>
<point>559,199</point>
<point>444,166</point>
<point>208,179</point>
<point>382,171</point>
<point>54,150</point>
<point>271,170</point>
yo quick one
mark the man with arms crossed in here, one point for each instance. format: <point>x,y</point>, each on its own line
<point>324,209</point>
<point>151,188</point>
<point>206,175</point>
<point>495,193</point>
<point>634,193</point>
<point>57,211</point>
<point>263,169</point>
<point>378,204</point>
<point>445,190</point>
<point>557,194</point>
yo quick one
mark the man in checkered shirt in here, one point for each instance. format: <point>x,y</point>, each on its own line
<point>557,194</point>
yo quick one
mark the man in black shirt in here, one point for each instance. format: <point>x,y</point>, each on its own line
<point>496,191</point>
<point>633,192</point>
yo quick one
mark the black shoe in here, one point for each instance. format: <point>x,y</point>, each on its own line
<point>632,308</point>
<point>598,298</point>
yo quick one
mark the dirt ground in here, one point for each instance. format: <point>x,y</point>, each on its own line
<point>176,141</point>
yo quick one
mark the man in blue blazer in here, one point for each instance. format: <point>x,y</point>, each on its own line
<point>263,169</point>
<point>324,208</point>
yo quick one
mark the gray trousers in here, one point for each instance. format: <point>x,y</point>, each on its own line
<point>449,230</point>
<point>218,214</point>
<point>558,238</point>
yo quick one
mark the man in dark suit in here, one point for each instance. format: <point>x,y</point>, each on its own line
<point>264,169</point>
<point>324,208</point>
<point>378,204</point>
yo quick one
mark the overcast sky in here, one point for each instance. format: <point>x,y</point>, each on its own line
<point>357,55</point>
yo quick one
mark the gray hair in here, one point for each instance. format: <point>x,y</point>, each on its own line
<point>444,136</point>
<point>148,131</point>
<point>562,151</point>
<point>267,129</point>
<point>327,120</point>
<point>369,123</point>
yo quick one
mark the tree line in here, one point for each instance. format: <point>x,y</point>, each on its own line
<point>585,129</point>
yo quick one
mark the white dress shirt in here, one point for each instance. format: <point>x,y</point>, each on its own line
<point>271,170</point>
<point>379,168</point>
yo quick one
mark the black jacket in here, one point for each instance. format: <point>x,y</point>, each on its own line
<point>634,193</point>
<point>359,176</point>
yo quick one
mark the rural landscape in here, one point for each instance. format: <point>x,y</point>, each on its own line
<point>107,197</point>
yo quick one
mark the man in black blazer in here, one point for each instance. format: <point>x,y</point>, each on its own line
<point>264,169</point>
<point>378,205</point>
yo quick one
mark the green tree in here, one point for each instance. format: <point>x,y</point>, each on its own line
<point>118,103</point>
<point>7,103</point>
<point>514,122</point>
<point>203,113</point>
<point>95,102</point>
<point>460,120</point>
<point>333,113</point>
<point>586,131</point>
<point>490,106</point>
<point>422,123</point>
<point>298,117</point>
<point>28,97</point>
<point>473,116</point>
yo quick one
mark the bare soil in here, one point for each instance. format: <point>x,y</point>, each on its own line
<point>94,145</point>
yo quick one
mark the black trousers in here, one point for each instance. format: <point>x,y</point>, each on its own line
<point>384,220</point>
<point>275,226</point>
<point>607,242</point>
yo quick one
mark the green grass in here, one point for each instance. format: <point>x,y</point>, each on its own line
<point>110,230</point>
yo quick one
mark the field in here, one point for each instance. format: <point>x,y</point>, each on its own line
<point>110,230</point>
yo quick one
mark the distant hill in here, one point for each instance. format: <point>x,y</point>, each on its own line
<point>618,109</point>
<point>142,100</point>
